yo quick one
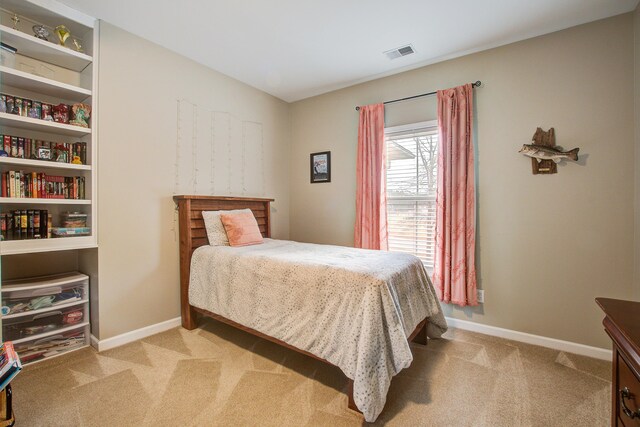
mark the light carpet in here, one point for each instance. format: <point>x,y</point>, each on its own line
<point>219,376</point>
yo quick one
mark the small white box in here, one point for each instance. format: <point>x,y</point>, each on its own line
<point>7,58</point>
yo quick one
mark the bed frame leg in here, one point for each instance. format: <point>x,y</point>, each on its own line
<point>352,403</point>
<point>189,318</point>
<point>421,336</point>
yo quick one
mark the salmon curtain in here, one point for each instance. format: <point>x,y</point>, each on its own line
<point>454,275</point>
<point>371,188</point>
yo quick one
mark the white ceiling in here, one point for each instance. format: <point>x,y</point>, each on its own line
<point>294,49</point>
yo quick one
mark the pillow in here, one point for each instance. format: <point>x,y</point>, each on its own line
<point>242,228</point>
<point>215,230</point>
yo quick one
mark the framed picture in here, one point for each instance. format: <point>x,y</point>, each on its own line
<point>321,167</point>
<point>44,154</point>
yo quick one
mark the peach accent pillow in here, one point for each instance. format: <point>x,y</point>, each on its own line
<point>242,229</point>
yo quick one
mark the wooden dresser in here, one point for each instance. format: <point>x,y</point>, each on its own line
<point>622,323</point>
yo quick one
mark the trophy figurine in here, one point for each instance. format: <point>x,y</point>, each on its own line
<point>77,45</point>
<point>63,34</point>
<point>40,32</point>
<point>15,20</point>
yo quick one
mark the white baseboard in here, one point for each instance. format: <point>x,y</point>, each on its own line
<point>138,334</point>
<point>556,344</point>
<point>569,347</point>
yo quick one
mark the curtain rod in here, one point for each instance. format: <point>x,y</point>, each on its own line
<point>476,84</point>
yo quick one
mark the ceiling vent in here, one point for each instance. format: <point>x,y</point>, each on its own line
<point>400,51</point>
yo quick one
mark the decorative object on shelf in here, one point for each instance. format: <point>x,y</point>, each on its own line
<point>77,45</point>
<point>15,20</point>
<point>63,34</point>
<point>40,32</point>
<point>43,153</point>
<point>544,153</point>
<point>3,103</point>
<point>60,153</point>
<point>46,113</point>
<point>4,153</point>
<point>74,219</point>
<point>60,113</point>
<point>320,164</point>
<point>76,160</point>
<point>80,114</point>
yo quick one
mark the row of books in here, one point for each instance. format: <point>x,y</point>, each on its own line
<point>25,107</point>
<point>61,113</point>
<point>25,224</point>
<point>29,148</point>
<point>40,185</point>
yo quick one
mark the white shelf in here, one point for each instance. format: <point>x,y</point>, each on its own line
<point>14,247</point>
<point>42,164</point>
<point>31,82</point>
<point>29,123</point>
<point>45,310</point>
<point>42,50</point>
<point>35,201</point>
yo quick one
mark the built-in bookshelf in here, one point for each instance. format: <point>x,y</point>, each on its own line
<point>46,72</point>
<point>39,73</point>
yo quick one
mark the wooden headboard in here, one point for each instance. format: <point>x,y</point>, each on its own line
<point>193,234</point>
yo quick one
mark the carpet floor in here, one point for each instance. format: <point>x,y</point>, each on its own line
<point>218,376</point>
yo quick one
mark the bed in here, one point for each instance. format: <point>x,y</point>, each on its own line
<point>351,308</point>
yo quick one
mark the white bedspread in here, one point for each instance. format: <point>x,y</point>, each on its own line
<point>352,307</point>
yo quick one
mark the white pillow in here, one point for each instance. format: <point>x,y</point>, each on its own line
<point>215,230</point>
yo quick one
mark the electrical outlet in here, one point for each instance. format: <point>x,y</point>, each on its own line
<point>480,295</point>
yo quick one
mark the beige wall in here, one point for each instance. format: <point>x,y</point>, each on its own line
<point>139,85</point>
<point>548,245</point>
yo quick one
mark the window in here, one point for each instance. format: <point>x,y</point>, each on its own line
<point>412,173</point>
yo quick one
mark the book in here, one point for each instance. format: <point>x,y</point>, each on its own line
<point>10,364</point>
<point>3,226</point>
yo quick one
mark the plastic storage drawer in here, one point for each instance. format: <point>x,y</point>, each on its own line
<point>44,346</point>
<point>39,294</point>
<point>40,323</point>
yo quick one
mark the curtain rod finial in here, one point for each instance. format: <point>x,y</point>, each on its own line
<point>477,83</point>
<point>357,108</point>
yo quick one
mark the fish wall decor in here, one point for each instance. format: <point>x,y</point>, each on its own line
<point>544,153</point>
<point>540,152</point>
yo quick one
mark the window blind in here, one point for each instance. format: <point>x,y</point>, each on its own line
<point>412,174</point>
